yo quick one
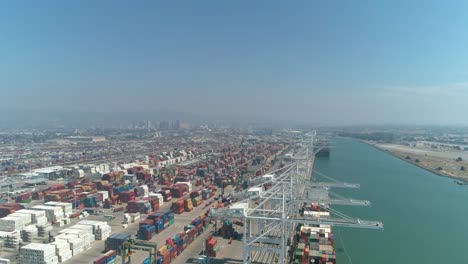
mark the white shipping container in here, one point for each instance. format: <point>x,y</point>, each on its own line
<point>95,224</point>
<point>66,207</point>
<point>105,195</point>
<point>52,213</point>
<point>10,224</point>
<point>36,253</point>
<point>26,219</point>
<point>36,216</point>
<point>87,228</point>
<point>77,250</point>
<point>4,261</point>
<point>65,257</point>
<point>158,196</point>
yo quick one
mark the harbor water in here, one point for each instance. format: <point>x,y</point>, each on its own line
<point>425,215</point>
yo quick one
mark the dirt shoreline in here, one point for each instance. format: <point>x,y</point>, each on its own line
<point>436,172</point>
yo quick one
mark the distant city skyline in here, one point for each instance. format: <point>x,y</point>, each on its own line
<point>302,62</point>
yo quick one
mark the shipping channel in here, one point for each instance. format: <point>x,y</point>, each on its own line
<point>424,214</point>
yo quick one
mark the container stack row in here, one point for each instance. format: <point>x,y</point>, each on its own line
<point>158,196</point>
<point>154,224</point>
<point>36,253</point>
<point>12,223</point>
<point>178,207</point>
<point>141,191</point>
<point>175,246</point>
<point>211,246</point>
<point>66,207</point>
<point>167,195</point>
<point>76,243</point>
<point>43,230</point>
<point>53,213</point>
<point>115,241</point>
<point>62,250</point>
<point>110,257</point>
<point>101,229</point>
<point>10,239</point>
<point>132,217</point>
<point>142,206</point>
<point>9,208</point>
<point>188,206</point>
<point>28,233</point>
<point>37,217</point>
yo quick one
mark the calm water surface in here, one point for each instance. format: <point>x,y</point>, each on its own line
<point>425,215</point>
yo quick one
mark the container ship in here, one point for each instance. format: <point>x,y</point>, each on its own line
<point>314,244</point>
<point>324,152</point>
<point>322,149</point>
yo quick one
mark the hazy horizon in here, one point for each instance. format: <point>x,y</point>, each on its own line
<point>302,62</point>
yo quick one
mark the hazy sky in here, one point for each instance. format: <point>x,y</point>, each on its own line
<point>333,62</point>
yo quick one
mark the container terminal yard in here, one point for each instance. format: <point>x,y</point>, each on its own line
<point>222,199</point>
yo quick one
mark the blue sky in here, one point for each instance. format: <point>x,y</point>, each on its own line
<point>326,62</point>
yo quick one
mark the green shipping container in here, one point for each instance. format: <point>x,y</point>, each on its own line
<point>217,248</point>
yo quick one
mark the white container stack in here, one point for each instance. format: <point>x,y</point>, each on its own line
<point>37,217</point>
<point>158,196</point>
<point>53,213</point>
<point>11,239</point>
<point>36,253</point>
<point>105,195</point>
<point>103,233</point>
<point>28,233</point>
<point>43,230</point>
<point>10,224</point>
<point>76,243</point>
<point>25,219</point>
<point>14,222</point>
<point>79,232</point>
<point>101,229</point>
<point>66,207</point>
<point>142,190</point>
<point>126,219</point>
<point>134,217</point>
<point>4,261</point>
<point>62,250</point>
<point>88,237</point>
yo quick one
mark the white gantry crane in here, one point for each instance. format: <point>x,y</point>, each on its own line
<point>270,216</point>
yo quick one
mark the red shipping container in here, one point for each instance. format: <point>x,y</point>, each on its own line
<point>147,222</point>
<point>100,260</point>
<point>127,196</point>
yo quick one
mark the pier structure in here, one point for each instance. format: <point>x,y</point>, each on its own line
<point>271,215</point>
